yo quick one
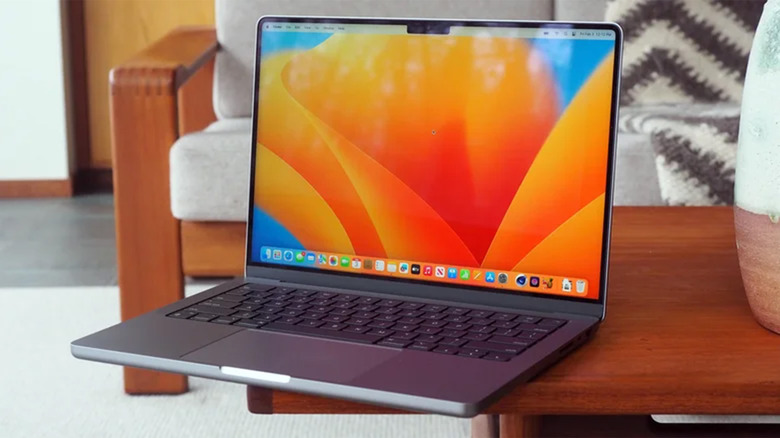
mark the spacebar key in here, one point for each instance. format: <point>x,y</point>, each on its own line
<point>320,333</point>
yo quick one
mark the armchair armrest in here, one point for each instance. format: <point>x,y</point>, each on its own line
<point>159,94</point>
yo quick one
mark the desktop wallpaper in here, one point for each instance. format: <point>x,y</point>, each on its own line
<point>465,150</point>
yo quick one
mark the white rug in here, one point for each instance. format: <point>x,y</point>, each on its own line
<point>45,392</point>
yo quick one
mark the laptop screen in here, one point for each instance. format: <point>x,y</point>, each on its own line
<point>474,156</point>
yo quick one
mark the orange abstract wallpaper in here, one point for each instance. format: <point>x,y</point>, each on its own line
<point>471,151</point>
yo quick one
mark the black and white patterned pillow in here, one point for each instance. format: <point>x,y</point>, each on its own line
<point>684,51</point>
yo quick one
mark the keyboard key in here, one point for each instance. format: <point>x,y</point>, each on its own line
<point>367,300</point>
<point>300,300</point>
<point>266,318</point>
<point>422,346</point>
<point>472,352</point>
<point>334,326</point>
<point>405,327</point>
<point>499,357</point>
<point>434,323</point>
<point>346,297</point>
<point>445,350</point>
<point>225,319</point>
<point>255,301</point>
<point>479,313</point>
<point>394,342</point>
<point>453,333</point>
<point>551,322</point>
<point>357,329</point>
<point>508,332</point>
<point>211,310</point>
<point>481,321</point>
<point>505,324</point>
<point>304,292</point>
<point>283,297</point>
<point>503,316</point>
<point>428,338</point>
<point>477,336</point>
<point>344,312</point>
<point>457,318</point>
<point>408,320</point>
<point>366,307</point>
<point>404,335</point>
<point>288,320</point>
<point>286,312</point>
<point>320,309</point>
<point>531,335</point>
<point>389,303</point>
<point>433,316</point>
<point>310,323</point>
<point>249,307</point>
<point>493,346</point>
<point>410,313</point>
<point>260,295</point>
<point>259,287</point>
<point>297,306</point>
<point>326,295</point>
<point>453,342</point>
<point>368,315</point>
<point>270,310</point>
<point>335,318</point>
<point>388,310</point>
<point>221,304</point>
<point>313,315</point>
<point>363,338</point>
<point>482,329</point>
<point>344,305</point>
<point>381,324</point>
<point>276,303</point>
<point>411,306</point>
<point>248,323</point>
<point>246,315</point>
<point>457,311</point>
<point>528,319</point>
<point>512,341</point>
<point>232,298</point>
<point>358,321</point>
<point>323,302</point>
<point>435,308</point>
<point>390,318</point>
<point>428,330</point>
<point>240,291</point>
<point>381,332</point>
<point>183,314</point>
<point>458,326</point>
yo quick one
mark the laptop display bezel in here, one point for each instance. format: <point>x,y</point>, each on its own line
<point>431,289</point>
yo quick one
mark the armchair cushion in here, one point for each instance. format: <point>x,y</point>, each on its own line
<point>236,31</point>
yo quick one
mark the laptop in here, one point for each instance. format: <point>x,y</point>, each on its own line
<point>429,215</point>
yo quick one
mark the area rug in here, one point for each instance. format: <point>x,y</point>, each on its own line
<point>48,393</point>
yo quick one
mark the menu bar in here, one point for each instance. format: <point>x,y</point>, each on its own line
<point>486,31</point>
<point>470,276</point>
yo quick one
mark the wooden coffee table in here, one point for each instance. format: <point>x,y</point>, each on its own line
<point>679,337</point>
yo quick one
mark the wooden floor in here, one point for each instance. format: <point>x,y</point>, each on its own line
<point>57,242</point>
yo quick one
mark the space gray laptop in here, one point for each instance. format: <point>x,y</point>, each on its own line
<point>429,215</point>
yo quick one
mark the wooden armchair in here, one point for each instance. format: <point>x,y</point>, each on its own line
<point>162,93</point>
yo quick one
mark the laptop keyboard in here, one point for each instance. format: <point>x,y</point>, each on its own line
<point>497,336</point>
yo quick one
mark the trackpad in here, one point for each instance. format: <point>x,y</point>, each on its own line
<point>292,355</point>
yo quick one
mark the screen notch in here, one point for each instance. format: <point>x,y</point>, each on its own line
<point>428,27</point>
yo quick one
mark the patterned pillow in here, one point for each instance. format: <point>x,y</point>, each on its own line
<point>679,51</point>
<point>695,155</point>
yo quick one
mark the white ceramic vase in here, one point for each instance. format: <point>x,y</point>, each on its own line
<point>757,189</point>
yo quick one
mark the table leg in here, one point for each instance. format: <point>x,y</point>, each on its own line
<point>259,400</point>
<point>484,426</point>
<point>518,426</point>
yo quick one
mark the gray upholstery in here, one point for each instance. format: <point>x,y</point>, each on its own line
<point>580,10</point>
<point>236,31</point>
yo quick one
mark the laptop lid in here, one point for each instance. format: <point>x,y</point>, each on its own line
<point>471,160</point>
